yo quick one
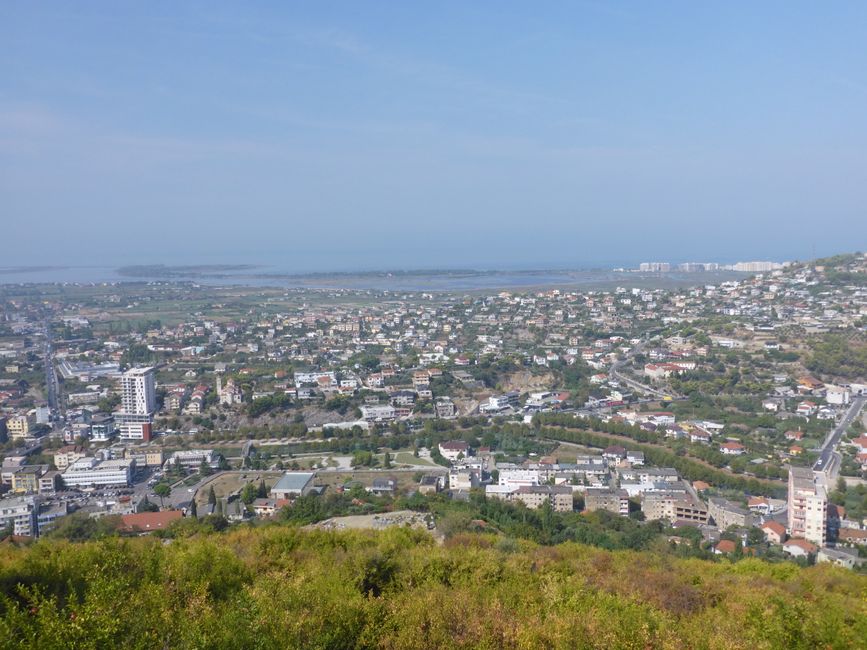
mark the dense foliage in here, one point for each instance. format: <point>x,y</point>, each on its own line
<point>839,356</point>
<point>581,431</point>
<point>279,587</point>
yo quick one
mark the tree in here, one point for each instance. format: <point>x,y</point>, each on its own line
<point>262,490</point>
<point>194,511</point>
<point>248,493</point>
<point>147,506</point>
<point>205,469</point>
<point>162,490</point>
<point>212,497</point>
<point>79,527</point>
<point>386,463</point>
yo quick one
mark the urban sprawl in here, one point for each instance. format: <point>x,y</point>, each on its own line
<point>719,420</point>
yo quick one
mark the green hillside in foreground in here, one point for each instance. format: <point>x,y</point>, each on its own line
<point>281,587</point>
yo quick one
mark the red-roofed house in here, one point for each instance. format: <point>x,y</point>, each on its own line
<point>724,547</point>
<point>774,532</point>
<point>148,522</point>
<point>451,449</point>
<point>759,504</point>
<point>732,448</point>
<point>799,547</point>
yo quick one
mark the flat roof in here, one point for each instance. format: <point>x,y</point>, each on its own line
<point>293,481</point>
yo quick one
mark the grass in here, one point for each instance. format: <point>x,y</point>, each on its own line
<point>406,458</point>
<point>405,479</point>
<point>226,483</point>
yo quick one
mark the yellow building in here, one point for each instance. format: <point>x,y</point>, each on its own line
<point>26,479</point>
<point>19,426</point>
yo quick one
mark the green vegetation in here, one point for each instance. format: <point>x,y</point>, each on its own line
<point>279,587</point>
<point>586,432</point>
<point>839,356</point>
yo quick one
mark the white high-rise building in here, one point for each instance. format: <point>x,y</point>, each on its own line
<point>138,404</point>
<point>808,506</point>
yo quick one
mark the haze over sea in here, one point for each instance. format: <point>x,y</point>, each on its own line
<point>383,280</point>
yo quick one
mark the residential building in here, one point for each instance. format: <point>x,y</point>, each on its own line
<point>807,506</point>
<point>138,404</point>
<point>20,426</point>
<point>193,458</point>
<point>841,557</point>
<point>799,548</point>
<point>20,513</point>
<point>50,482</point>
<point>732,448</point>
<point>377,412</point>
<point>384,486</point>
<point>26,479</point>
<point>774,532</point>
<point>454,449</point>
<point>534,496</point>
<point>430,484</point>
<point>726,514</point>
<point>65,456</point>
<point>445,408</point>
<point>148,522</point>
<point>463,478</point>
<point>516,476</point>
<point>616,501</point>
<point>673,507</point>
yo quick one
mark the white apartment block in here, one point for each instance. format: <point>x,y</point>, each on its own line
<point>463,478</point>
<point>516,477</point>
<point>381,412</point>
<point>138,402</point>
<point>21,513</point>
<point>808,506</point>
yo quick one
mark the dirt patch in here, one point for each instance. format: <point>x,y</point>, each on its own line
<point>526,382</point>
<point>401,518</point>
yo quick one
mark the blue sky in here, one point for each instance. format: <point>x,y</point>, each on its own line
<point>404,135</point>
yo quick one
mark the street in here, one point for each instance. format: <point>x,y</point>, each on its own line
<point>826,457</point>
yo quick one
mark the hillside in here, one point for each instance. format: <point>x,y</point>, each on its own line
<point>280,587</point>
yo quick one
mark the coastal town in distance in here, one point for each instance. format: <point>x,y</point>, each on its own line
<point>716,421</point>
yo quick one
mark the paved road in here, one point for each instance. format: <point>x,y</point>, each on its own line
<point>614,373</point>
<point>833,439</point>
<point>50,373</point>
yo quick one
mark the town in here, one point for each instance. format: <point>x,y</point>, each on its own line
<point>717,421</point>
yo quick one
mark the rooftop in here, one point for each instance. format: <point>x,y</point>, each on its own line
<point>294,481</point>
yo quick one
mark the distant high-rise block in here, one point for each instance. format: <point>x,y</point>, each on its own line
<point>138,402</point>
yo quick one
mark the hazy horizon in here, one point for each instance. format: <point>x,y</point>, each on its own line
<point>371,136</point>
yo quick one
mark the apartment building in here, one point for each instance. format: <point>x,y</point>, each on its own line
<point>616,501</point>
<point>138,402</point>
<point>535,496</point>
<point>20,513</point>
<point>673,507</point>
<point>808,506</point>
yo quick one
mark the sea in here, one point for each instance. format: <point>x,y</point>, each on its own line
<point>397,281</point>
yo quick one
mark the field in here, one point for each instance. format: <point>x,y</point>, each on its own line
<point>405,478</point>
<point>226,483</point>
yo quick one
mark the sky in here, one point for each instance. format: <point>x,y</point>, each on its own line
<point>404,135</point>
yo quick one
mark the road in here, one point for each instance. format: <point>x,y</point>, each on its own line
<point>826,456</point>
<point>633,384</point>
<point>50,372</point>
